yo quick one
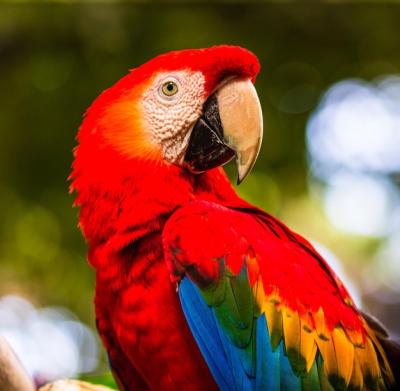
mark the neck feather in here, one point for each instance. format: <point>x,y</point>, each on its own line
<point>121,201</point>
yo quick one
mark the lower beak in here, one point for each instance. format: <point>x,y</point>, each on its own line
<point>231,126</point>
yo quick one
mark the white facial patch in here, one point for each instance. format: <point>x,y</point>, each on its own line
<point>171,106</point>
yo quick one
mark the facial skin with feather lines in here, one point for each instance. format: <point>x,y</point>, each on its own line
<point>169,118</point>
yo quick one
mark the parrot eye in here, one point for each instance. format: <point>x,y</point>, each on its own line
<point>169,88</point>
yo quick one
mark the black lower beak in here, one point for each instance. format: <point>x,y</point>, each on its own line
<point>207,148</point>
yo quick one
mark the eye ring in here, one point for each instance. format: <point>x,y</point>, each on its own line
<point>169,88</point>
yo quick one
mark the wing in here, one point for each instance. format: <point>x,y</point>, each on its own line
<point>266,310</point>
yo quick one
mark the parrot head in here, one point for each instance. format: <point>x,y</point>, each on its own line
<point>196,109</point>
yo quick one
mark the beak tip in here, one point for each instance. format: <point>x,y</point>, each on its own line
<point>239,180</point>
<point>243,170</point>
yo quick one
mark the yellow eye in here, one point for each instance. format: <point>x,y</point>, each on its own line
<point>169,88</point>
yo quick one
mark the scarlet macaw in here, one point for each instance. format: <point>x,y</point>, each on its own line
<point>195,288</point>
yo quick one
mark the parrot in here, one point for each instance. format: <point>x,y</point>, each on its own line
<point>196,289</point>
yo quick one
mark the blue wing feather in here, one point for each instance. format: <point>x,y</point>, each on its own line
<point>268,371</point>
<point>289,381</point>
<point>204,328</point>
<point>229,364</point>
<point>233,354</point>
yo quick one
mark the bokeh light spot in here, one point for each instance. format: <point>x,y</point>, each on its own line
<point>353,140</point>
<point>360,204</point>
<point>50,342</point>
<point>356,127</point>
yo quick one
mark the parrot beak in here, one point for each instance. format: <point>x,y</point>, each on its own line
<point>231,126</point>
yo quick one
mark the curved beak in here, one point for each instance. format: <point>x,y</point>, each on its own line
<point>231,126</point>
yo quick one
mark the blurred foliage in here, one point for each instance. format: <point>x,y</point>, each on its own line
<point>56,58</point>
<point>105,379</point>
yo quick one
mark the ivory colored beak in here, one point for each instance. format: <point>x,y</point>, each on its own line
<point>242,121</point>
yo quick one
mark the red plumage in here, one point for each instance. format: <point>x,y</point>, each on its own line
<point>125,201</point>
<point>122,214</point>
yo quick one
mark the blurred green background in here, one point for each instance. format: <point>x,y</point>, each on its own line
<point>55,58</point>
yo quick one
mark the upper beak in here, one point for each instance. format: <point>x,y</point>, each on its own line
<point>231,125</point>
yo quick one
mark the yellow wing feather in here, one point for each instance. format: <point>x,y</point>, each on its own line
<point>344,351</point>
<point>320,325</point>
<point>369,364</point>
<point>356,379</point>
<point>308,347</point>
<point>347,358</point>
<point>291,333</point>
<point>327,351</point>
<point>269,306</point>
